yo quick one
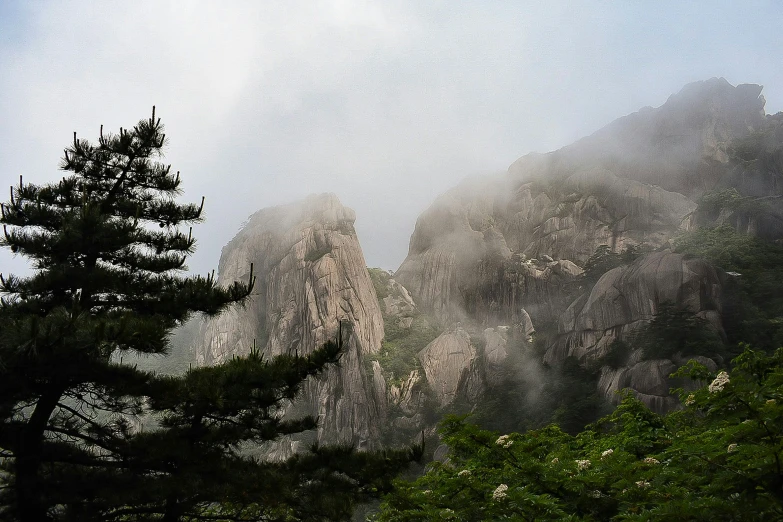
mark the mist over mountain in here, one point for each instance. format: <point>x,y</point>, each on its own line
<point>521,286</point>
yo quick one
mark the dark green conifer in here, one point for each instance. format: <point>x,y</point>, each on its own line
<point>106,248</point>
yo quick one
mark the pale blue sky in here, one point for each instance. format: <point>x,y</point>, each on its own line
<point>387,104</point>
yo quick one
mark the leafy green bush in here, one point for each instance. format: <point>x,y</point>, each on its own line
<point>604,259</point>
<point>719,458</point>
<point>401,346</point>
<point>722,199</point>
<point>617,355</point>
<point>380,281</point>
<point>677,330</point>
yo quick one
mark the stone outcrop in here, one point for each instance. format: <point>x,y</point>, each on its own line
<point>449,363</point>
<point>626,295</point>
<point>624,300</point>
<point>458,367</point>
<point>311,279</point>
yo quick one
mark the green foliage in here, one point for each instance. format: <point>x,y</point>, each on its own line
<point>604,259</point>
<point>380,281</point>
<point>729,199</point>
<point>719,458</point>
<point>617,355</point>
<point>107,251</point>
<point>401,346</point>
<point>757,145</point>
<point>529,395</point>
<point>677,330</point>
<point>753,300</point>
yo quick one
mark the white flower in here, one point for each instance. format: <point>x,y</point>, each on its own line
<point>428,492</point>
<point>691,400</point>
<point>594,494</point>
<point>447,513</point>
<point>582,464</point>
<point>555,460</point>
<point>464,473</point>
<point>720,381</point>
<point>732,448</point>
<point>504,441</point>
<point>650,460</point>
<point>500,492</point>
<point>643,484</point>
<point>607,453</point>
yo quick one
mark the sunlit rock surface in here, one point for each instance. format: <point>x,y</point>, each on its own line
<point>311,277</point>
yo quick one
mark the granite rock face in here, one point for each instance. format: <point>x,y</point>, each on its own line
<point>625,299</point>
<point>634,182</point>
<point>311,279</point>
<point>492,248</point>
<point>449,363</point>
<point>495,266</point>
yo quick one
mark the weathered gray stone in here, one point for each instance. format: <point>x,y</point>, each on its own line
<point>311,278</point>
<point>495,355</point>
<point>622,301</point>
<point>449,361</point>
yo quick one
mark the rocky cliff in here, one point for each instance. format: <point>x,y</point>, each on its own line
<point>517,289</point>
<point>635,182</point>
<point>489,249</point>
<point>311,279</point>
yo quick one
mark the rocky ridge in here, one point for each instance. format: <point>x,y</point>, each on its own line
<point>496,271</point>
<point>488,248</point>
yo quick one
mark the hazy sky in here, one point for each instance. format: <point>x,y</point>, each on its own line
<point>387,104</point>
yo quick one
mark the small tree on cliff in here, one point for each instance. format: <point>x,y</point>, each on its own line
<point>106,250</point>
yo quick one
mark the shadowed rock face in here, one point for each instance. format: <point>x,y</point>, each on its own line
<point>311,276</point>
<point>627,298</point>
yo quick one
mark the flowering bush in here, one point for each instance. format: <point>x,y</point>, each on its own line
<point>718,458</point>
<point>720,381</point>
<point>504,441</point>
<point>500,492</point>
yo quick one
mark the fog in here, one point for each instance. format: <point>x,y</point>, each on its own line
<point>386,104</point>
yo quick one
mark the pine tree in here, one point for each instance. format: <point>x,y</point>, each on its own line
<point>106,252</point>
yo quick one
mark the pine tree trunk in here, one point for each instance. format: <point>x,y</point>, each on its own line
<point>29,502</point>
